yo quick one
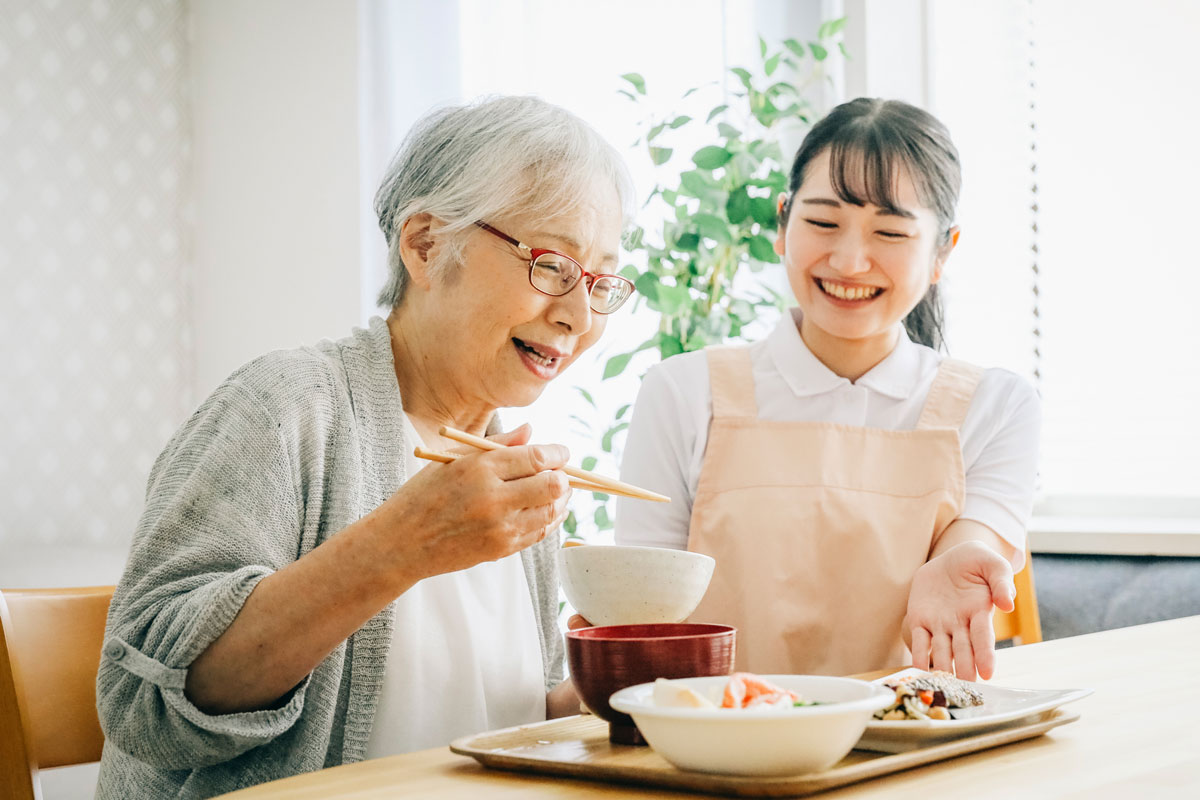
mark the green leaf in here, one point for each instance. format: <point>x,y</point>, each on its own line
<point>762,249</point>
<point>716,111</point>
<point>646,345</point>
<point>586,396</point>
<point>737,207</point>
<point>616,365</point>
<point>660,155</point>
<point>588,463</point>
<point>743,76</point>
<point>762,47</point>
<point>728,131</point>
<point>606,442</point>
<point>669,346</point>
<point>570,525</point>
<point>620,413</point>
<point>690,92</point>
<point>842,47</point>
<point>770,65</point>
<point>688,241</point>
<point>655,131</point>
<point>712,227</point>
<point>629,272</point>
<point>711,157</point>
<point>795,47</point>
<point>697,184</point>
<point>818,51</point>
<point>831,28</point>
<point>647,285</point>
<point>600,517</point>
<point>763,109</point>
<point>638,82</point>
<point>762,209</point>
<point>672,298</point>
<point>679,122</point>
<point>627,94</point>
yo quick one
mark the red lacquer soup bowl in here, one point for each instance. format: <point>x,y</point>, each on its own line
<point>608,658</point>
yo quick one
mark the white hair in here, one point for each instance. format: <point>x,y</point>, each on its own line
<point>487,160</point>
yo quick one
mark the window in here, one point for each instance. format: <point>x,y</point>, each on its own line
<point>1061,96</point>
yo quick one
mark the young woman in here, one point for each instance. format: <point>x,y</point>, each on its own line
<point>858,490</point>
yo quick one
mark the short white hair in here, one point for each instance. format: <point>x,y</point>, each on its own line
<point>490,159</point>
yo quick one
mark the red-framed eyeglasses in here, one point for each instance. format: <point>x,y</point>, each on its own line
<point>555,274</point>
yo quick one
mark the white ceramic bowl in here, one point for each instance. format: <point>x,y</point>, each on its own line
<point>758,741</point>
<point>616,585</point>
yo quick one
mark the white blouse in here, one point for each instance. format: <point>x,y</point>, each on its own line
<point>665,445</point>
<point>464,656</point>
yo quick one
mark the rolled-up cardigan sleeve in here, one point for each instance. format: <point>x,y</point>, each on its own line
<point>224,509</point>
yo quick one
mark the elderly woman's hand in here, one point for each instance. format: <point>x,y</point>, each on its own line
<point>482,507</point>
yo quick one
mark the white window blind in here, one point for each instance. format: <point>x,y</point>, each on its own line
<point>1108,88</point>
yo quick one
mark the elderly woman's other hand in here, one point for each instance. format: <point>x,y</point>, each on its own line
<point>482,507</point>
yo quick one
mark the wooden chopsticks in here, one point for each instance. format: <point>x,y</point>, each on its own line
<point>588,481</point>
<point>445,458</point>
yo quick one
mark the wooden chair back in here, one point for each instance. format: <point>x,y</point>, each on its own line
<point>50,641</point>
<point>1022,625</point>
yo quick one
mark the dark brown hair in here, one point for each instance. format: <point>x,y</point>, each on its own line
<point>868,141</point>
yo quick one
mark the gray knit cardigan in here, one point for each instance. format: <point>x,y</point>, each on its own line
<point>292,448</point>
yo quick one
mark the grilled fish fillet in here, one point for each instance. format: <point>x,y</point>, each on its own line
<point>958,694</point>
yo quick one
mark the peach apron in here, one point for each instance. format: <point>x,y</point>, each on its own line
<point>818,528</point>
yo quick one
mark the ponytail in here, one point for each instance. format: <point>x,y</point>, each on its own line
<point>925,324</point>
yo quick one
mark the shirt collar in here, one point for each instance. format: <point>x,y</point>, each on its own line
<point>804,374</point>
<point>897,376</point>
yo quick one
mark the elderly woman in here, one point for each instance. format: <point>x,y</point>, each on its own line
<point>301,592</point>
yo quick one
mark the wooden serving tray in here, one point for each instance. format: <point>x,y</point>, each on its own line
<point>578,747</point>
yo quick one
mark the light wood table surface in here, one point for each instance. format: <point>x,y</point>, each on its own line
<point>1138,736</point>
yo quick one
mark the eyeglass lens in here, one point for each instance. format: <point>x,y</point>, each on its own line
<point>556,275</point>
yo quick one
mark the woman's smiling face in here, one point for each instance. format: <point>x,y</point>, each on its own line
<point>501,339</point>
<point>857,271</point>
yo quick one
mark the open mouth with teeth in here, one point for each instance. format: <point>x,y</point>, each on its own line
<point>541,364</point>
<point>848,293</point>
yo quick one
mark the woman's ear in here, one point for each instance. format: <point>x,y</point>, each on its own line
<point>780,203</point>
<point>943,253</point>
<point>418,247</point>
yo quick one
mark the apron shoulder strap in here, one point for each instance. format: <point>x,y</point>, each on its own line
<point>950,395</point>
<point>731,378</point>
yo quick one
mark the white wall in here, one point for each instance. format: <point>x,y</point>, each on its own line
<point>275,104</point>
<point>94,325</point>
<point>888,49</point>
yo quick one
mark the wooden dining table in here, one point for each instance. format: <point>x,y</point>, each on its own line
<point>1138,736</point>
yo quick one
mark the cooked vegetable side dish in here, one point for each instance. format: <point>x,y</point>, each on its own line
<point>929,696</point>
<point>744,690</point>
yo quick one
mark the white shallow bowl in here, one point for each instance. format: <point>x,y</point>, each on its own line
<point>758,741</point>
<point>617,585</point>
